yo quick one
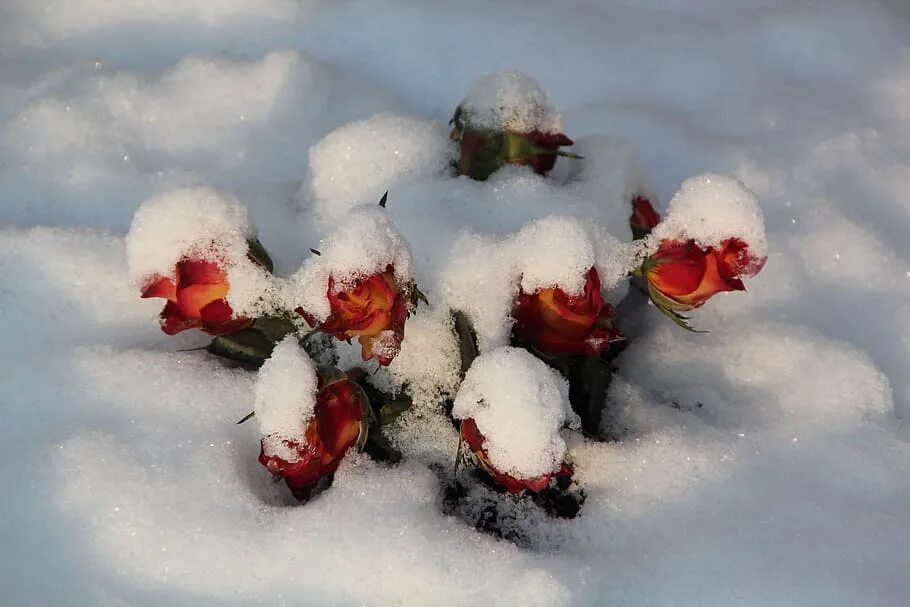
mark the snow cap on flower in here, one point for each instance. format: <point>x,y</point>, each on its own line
<point>512,101</point>
<point>198,224</point>
<point>519,405</point>
<point>484,275</point>
<point>366,242</point>
<point>710,209</point>
<point>285,398</point>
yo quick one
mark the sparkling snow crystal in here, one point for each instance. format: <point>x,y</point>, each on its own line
<point>519,405</point>
<point>285,398</point>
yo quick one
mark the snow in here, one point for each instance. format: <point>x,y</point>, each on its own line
<point>761,464</point>
<point>509,100</point>
<point>284,398</point>
<point>712,208</point>
<point>519,405</point>
<point>357,162</point>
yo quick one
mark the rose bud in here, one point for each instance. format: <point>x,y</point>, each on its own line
<point>682,275</point>
<point>644,218</point>
<point>472,437</point>
<point>561,324</point>
<point>338,424</point>
<point>195,299</point>
<point>506,118</point>
<point>373,309</point>
<point>484,151</point>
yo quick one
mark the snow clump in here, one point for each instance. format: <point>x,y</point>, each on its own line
<point>519,405</point>
<point>711,208</point>
<point>512,101</point>
<point>285,398</point>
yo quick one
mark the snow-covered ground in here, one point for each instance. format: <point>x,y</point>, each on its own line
<point>765,463</point>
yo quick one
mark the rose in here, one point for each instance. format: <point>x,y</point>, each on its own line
<point>338,424</point>
<point>485,150</point>
<point>471,435</point>
<point>644,218</point>
<point>195,299</point>
<point>682,275</point>
<point>373,309</point>
<point>561,324</point>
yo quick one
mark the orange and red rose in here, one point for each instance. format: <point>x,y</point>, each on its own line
<point>682,275</point>
<point>644,218</point>
<point>472,437</point>
<point>561,324</point>
<point>195,299</point>
<point>373,309</point>
<point>338,424</point>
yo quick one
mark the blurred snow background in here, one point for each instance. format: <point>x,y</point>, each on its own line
<point>766,462</point>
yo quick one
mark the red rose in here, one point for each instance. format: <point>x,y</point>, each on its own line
<point>337,425</point>
<point>644,218</point>
<point>471,435</point>
<point>562,324</point>
<point>683,276</point>
<point>373,309</point>
<point>196,299</point>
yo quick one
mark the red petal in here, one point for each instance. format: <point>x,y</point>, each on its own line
<point>161,287</point>
<point>191,272</point>
<point>173,320</point>
<point>339,414</point>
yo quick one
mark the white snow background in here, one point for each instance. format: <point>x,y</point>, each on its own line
<point>766,463</point>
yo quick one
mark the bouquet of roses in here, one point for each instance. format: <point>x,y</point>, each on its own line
<point>523,366</point>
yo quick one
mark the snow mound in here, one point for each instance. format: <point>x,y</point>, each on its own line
<point>58,19</point>
<point>509,100</point>
<point>356,163</point>
<point>366,243</point>
<point>285,398</point>
<point>712,208</point>
<point>519,405</point>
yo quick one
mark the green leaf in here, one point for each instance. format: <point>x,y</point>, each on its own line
<point>249,346</point>
<point>246,417</point>
<point>467,341</point>
<point>671,309</point>
<point>390,410</point>
<point>274,328</point>
<point>258,254</point>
